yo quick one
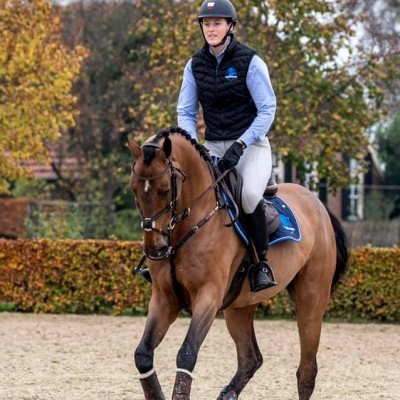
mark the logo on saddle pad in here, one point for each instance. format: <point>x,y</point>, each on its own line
<point>285,221</point>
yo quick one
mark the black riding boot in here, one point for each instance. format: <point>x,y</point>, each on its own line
<point>261,275</point>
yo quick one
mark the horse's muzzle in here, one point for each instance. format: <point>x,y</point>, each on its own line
<point>159,253</point>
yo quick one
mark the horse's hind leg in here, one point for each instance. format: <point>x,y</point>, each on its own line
<point>310,305</point>
<point>241,328</point>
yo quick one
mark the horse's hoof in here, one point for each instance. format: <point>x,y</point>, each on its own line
<point>227,394</point>
<point>230,396</point>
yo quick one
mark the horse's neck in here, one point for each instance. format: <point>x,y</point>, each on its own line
<point>199,178</point>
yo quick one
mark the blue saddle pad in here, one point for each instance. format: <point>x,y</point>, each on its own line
<point>288,229</point>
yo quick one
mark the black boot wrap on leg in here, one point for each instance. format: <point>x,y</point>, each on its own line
<point>183,384</point>
<point>151,388</point>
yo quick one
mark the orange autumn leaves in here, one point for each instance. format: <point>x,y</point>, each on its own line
<point>37,72</point>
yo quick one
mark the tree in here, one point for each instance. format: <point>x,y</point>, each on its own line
<point>172,33</point>
<point>325,103</point>
<point>107,97</point>
<point>388,140</point>
<point>380,34</point>
<point>36,76</point>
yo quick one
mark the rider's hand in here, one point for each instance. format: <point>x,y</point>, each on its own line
<point>232,155</point>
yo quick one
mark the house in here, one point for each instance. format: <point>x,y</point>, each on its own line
<point>347,204</point>
<point>14,211</point>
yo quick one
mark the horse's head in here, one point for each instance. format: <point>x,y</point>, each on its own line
<point>156,180</point>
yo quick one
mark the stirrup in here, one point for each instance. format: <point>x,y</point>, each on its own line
<point>261,277</point>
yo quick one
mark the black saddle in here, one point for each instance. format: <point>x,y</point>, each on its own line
<point>234,183</point>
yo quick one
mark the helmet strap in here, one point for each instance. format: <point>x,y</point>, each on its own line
<point>225,37</point>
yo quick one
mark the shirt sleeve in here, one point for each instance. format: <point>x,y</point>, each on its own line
<point>260,87</point>
<point>188,105</point>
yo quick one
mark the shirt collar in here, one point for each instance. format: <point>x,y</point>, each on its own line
<point>220,55</point>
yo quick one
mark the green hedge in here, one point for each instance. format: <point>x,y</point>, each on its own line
<point>87,276</point>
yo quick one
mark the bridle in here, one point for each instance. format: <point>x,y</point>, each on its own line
<point>148,223</point>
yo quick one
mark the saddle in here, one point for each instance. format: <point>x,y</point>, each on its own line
<point>233,183</point>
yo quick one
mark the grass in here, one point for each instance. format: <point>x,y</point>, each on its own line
<point>7,307</point>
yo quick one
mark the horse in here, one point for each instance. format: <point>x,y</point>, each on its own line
<point>193,254</point>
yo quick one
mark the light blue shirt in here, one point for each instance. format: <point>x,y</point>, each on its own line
<point>260,88</point>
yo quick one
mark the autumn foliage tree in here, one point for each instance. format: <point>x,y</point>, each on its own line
<point>381,35</point>
<point>106,98</point>
<point>173,34</point>
<point>36,76</point>
<point>325,84</point>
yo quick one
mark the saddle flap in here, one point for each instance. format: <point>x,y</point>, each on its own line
<point>234,182</point>
<point>272,217</point>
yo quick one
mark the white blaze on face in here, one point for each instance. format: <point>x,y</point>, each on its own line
<point>147,186</point>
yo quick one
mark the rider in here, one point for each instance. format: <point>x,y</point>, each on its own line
<point>232,84</point>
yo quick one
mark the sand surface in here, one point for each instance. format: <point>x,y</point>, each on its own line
<point>91,358</point>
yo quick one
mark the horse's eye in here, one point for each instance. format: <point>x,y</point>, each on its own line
<point>164,193</point>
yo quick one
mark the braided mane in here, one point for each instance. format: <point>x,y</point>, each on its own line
<point>164,133</point>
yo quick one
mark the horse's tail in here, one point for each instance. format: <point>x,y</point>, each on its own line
<point>342,248</point>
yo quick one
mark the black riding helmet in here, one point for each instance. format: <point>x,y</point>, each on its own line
<point>217,9</point>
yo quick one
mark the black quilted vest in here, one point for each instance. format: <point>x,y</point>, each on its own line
<point>222,91</point>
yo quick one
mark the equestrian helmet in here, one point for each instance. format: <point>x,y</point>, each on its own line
<point>217,9</point>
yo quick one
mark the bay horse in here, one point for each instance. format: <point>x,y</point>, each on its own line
<point>193,255</point>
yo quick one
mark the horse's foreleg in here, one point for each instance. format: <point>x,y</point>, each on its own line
<point>151,386</point>
<point>160,317</point>
<point>204,312</point>
<point>241,328</point>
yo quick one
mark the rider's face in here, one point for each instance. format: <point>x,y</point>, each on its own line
<point>215,30</point>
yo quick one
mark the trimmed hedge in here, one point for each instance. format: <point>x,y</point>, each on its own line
<point>71,276</point>
<point>87,276</point>
<point>369,291</point>
<point>371,288</point>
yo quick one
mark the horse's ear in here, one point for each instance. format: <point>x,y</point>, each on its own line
<point>133,147</point>
<point>167,147</point>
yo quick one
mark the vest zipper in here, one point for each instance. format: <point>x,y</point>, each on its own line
<point>216,92</point>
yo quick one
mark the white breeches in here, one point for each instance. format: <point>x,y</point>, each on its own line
<point>255,167</point>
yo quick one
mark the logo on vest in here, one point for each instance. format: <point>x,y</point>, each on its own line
<point>231,73</point>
